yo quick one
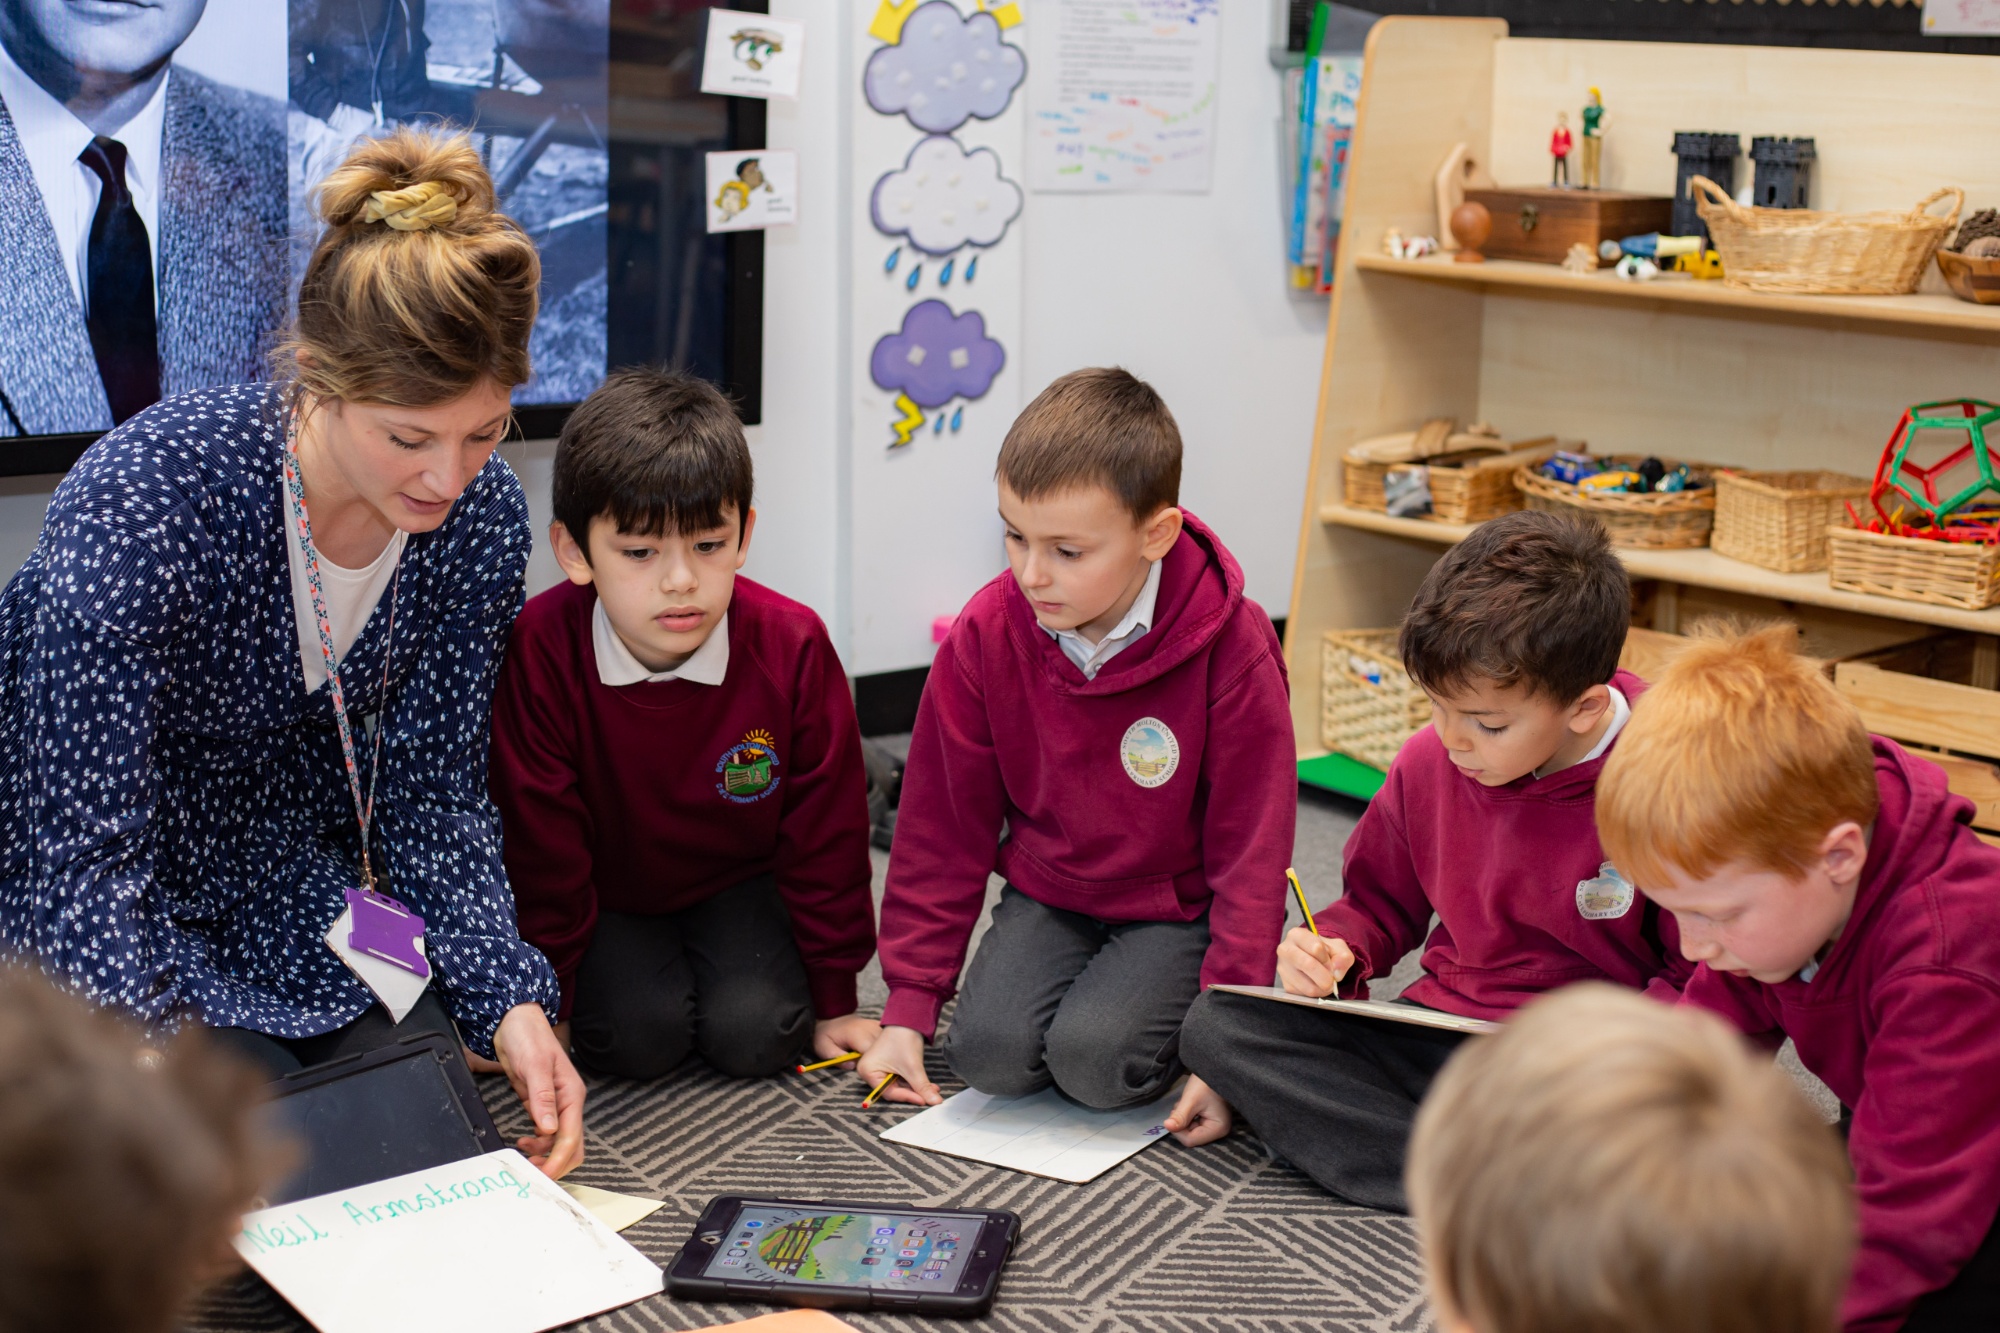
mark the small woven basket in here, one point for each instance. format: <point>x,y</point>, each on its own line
<point>1779,519</point>
<point>1914,569</point>
<point>1368,704</point>
<point>1674,521</point>
<point>1805,251</point>
<point>1480,488</point>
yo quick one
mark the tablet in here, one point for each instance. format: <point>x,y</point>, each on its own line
<point>845,1256</point>
<point>387,1112</point>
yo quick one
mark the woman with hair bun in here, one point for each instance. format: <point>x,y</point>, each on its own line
<point>246,676</point>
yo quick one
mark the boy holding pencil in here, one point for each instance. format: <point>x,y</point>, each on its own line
<point>1115,706</point>
<point>676,760</point>
<point>1485,821</point>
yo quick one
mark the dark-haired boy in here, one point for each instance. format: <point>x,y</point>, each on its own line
<point>1486,821</point>
<point>676,760</point>
<point>1117,705</point>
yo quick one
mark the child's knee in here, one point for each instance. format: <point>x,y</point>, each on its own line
<point>638,1041</point>
<point>1210,1034</point>
<point>752,1032</point>
<point>996,1055</point>
<point>1107,1065</point>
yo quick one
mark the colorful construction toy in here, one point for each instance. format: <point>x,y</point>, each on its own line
<point>1939,475</point>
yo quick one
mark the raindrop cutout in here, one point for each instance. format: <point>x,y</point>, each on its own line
<point>958,418</point>
<point>972,268</point>
<point>944,278</point>
<point>916,272</point>
<point>939,428</point>
<point>889,265</point>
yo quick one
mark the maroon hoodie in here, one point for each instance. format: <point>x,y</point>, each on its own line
<point>1523,894</point>
<point>1902,1021</point>
<point>1162,789</point>
<point>616,797</point>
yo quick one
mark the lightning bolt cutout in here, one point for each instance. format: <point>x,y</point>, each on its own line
<point>913,416</point>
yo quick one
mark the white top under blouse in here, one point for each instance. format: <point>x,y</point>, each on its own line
<point>351,597</point>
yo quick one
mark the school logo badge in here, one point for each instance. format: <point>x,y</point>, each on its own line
<point>1605,898</point>
<point>1149,752</point>
<point>749,769</point>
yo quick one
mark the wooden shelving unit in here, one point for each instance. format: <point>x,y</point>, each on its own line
<point>1674,367</point>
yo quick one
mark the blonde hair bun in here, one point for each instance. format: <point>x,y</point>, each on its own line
<point>419,288</point>
<point>386,175</point>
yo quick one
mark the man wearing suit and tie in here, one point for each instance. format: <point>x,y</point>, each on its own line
<point>142,216</point>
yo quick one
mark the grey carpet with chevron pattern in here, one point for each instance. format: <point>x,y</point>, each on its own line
<point>1219,1240</point>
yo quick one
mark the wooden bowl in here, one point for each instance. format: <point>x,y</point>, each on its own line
<point>1971,279</point>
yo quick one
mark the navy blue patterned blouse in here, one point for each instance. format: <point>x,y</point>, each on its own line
<point>176,830</point>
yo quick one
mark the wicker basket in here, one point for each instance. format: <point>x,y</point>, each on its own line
<point>1674,521</point>
<point>1779,519</point>
<point>1368,704</point>
<point>1801,250</point>
<point>1482,486</point>
<point>1962,574</point>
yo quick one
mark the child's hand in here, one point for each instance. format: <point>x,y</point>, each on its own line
<point>899,1051</point>
<point>1200,1116</point>
<point>1310,964</point>
<point>835,1037</point>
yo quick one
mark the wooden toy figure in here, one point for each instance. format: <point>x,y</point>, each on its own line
<point>1559,145</point>
<point>1593,140</point>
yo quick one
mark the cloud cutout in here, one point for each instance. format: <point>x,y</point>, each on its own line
<point>945,197</point>
<point>947,69</point>
<point>938,356</point>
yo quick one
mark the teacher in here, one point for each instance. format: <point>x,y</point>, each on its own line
<point>246,676</point>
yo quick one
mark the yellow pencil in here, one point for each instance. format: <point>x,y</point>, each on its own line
<point>1304,906</point>
<point>828,1064</point>
<point>877,1091</point>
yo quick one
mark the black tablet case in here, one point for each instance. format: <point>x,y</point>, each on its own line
<point>380,1114</point>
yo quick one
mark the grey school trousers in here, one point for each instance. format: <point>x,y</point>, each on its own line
<point>1092,1007</point>
<point>1333,1095</point>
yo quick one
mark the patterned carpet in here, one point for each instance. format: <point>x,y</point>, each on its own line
<point>1220,1240</point>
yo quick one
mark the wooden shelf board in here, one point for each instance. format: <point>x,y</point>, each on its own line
<point>1703,568</point>
<point>1939,316</point>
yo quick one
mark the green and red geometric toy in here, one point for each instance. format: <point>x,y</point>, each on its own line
<point>1940,473</point>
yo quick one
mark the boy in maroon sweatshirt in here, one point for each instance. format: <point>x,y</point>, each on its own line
<point>1485,820</point>
<point>1833,891</point>
<point>676,760</point>
<point>1116,708</point>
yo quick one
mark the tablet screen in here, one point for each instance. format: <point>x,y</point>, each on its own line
<point>875,1249</point>
<point>382,1120</point>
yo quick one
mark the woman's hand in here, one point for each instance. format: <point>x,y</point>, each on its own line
<point>835,1037</point>
<point>549,1088</point>
<point>1310,964</point>
<point>899,1051</point>
<point>1200,1116</point>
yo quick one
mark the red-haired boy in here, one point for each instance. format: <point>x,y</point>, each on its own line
<point>1833,891</point>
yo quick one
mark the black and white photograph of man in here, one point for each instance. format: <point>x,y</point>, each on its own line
<point>143,208</point>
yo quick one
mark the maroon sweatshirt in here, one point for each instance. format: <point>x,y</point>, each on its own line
<point>1902,1021</point>
<point>1524,897</point>
<point>652,797</point>
<point>1162,789</point>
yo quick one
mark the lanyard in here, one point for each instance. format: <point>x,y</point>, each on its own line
<point>295,492</point>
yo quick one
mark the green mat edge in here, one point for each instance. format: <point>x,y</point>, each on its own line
<point>1338,773</point>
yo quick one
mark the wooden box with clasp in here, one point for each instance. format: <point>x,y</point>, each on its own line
<point>1539,223</point>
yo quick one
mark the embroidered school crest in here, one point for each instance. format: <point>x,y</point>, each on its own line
<point>1605,898</point>
<point>1149,752</point>
<point>748,771</point>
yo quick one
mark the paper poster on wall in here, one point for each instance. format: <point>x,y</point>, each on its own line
<point>748,191</point>
<point>1123,97</point>
<point>752,55</point>
<point>936,358</point>
<point>1961,18</point>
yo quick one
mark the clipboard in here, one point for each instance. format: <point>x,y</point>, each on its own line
<point>1383,1009</point>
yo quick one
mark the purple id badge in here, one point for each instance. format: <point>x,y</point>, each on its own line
<point>383,928</point>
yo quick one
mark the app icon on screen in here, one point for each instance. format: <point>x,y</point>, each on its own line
<point>930,1277</point>
<point>909,1254</point>
<point>947,1245</point>
<point>870,1259</point>
<point>906,1263</point>
<point>738,1252</point>
<point>896,1273</point>
<point>732,1263</point>
<point>951,1235</point>
<point>885,1231</point>
<point>752,1225</point>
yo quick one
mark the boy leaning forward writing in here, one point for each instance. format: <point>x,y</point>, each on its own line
<point>1486,821</point>
<point>1107,727</point>
<point>676,760</point>
<point>1833,891</point>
